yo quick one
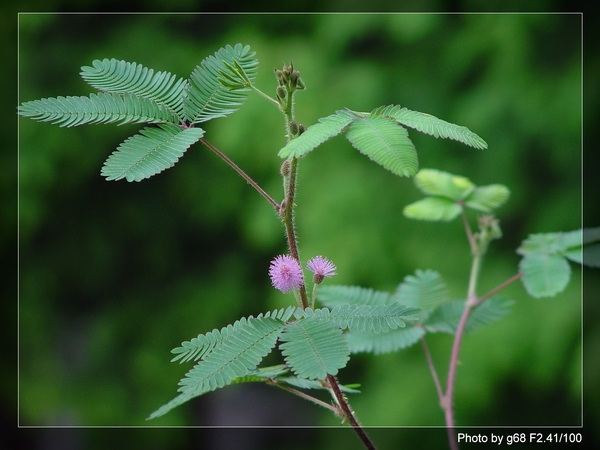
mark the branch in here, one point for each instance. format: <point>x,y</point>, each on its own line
<point>349,414</point>
<point>244,175</point>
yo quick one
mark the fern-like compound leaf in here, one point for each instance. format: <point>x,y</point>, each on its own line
<point>332,295</point>
<point>206,97</point>
<point>378,343</point>
<point>121,77</point>
<point>425,289</point>
<point>198,347</point>
<point>426,123</point>
<point>445,317</point>
<point>385,142</point>
<point>177,401</point>
<point>97,108</point>
<point>150,152</point>
<point>325,129</point>
<point>314,347</point>
<point>247,342</point>
<point>374,319</point>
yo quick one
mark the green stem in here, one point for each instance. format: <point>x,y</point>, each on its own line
<point>265,96</point>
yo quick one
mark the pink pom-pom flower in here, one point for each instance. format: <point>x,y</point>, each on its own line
<point>286,273</point>
<point>321,267</point>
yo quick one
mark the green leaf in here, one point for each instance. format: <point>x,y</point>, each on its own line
<point>331,296</point>
<point>206,97</point>
<point>445,317</point>
<point>202,345</point>
<point>150,152</point>
<point>372,318</point>
<point>433,209</point>
<point>327,128</point>
<point>443,184</point>
<point>164,409</point>
<point>123,77</point>
<point>246,344</point>
<point>590,255</point>
<point>197,348</point>
<point>487,198</point>
<point>97,108</point>
<point>426,123</point>
<point>375,319</point>
<point>544,274</point>
<point>582,246</point>
<point>262,375</point>
<point>385,142</point>
<point>303,383</point>
<point>314,347</point>
<point>365,342</point>
<point>425,290</point>
<point>242,347</point>
<point>234,77</point>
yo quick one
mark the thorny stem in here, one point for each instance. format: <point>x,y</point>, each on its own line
<point>288,220</point>
<point>348,413</point>
<point>287,214</point>
<point>244,175</point>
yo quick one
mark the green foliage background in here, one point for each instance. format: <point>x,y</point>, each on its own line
<point>115,274</point>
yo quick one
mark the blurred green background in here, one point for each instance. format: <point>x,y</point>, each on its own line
<point>113,275</point>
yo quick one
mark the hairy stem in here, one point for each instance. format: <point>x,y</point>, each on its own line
<point>349,415</point>
<point>288,220</point>
<point>265,96</point>
<point>287,214</point>
<point>244,175</point>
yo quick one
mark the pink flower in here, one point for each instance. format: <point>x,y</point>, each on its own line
<point>321,267</point>
<point>286,274</point>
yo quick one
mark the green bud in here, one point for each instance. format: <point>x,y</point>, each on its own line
<point>293,127</point>
<point>281,92</point>
<point>294,77</point>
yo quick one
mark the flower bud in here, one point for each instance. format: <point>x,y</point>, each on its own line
<point>285,168</point>
<point>281,93</point>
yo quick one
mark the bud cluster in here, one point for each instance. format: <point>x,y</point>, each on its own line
<point>289,81</point>
<point>289,78</point>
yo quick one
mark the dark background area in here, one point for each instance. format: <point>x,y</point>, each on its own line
<point>113,275</point>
